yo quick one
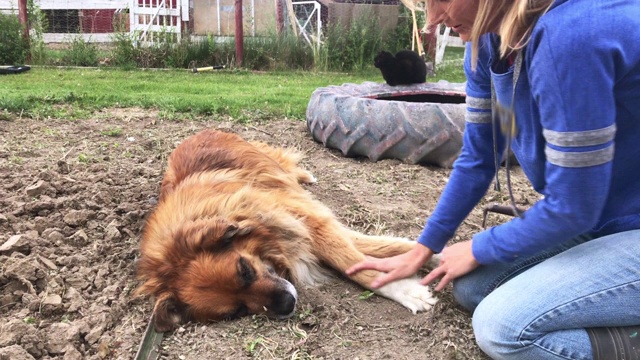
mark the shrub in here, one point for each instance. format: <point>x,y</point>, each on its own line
<point>13,47</point>
<point>81,53</point>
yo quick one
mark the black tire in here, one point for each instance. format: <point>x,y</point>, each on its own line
<point>6,70</point>
<point>417,124</point>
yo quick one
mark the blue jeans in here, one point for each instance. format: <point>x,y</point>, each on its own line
<point>538,307</point>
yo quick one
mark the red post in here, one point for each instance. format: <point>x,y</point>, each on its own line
<point>279,17</point>
<point>239,33</point>
<point>24,18</point>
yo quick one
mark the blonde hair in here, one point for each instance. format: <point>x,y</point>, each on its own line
<point>516,18</point>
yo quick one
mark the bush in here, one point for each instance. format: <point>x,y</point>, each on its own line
<point>81,53</point>
<point>13,47</point>
<point>351,48</point>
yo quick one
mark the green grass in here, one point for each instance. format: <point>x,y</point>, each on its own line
<point>74,93</point>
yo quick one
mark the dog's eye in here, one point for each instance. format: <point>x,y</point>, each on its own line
<point>246,272</point>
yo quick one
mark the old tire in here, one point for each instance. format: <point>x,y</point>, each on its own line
<point>417,124</point>
<point>5,70</point>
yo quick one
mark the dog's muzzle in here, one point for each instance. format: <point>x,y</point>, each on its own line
<point>284,301</point>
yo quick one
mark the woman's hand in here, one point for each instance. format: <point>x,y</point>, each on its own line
<point>395,267</point>
<point>456,260</point>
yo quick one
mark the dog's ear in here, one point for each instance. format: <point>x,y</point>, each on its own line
<point>237,229</point>
<point>168,312</point>
<point>211,234</point>
<point>224,233</point>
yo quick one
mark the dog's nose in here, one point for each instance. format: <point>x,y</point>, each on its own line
<point>285,304</point>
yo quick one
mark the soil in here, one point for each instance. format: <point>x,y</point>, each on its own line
<point>74,195</point>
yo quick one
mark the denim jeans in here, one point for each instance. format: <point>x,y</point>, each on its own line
<point>538,307</point>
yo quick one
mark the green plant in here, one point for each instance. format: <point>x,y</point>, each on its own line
<point>353,47</point>
<point>365,295</point>
<point>38,23</point>
<point>81,53</point>
<point>124,51</point>
<point>113,132</point>
<point>13,46</point>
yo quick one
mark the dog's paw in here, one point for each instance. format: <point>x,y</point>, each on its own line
<point>410,294</point>
<point>307,177</point>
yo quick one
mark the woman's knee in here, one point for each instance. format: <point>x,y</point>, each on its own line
<point>469,291</point>
<point>492,331</point>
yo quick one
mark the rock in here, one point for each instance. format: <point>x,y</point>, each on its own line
<point>34,344</point>
<point>59,335</point>
<point>80,238</point>
<point>12,332</point>
<point>44,203</point>
<point>15,243</point>
<point>22,268</point>
<point>111,233</point>
<point>51,304</point>
<point>100,281</point>
<point>94,334</point>
<point>54,300</point>
<point>63,167</point>
<point>71,353</point>
<point>79,279</point>
<point>77,218</point>
<point>36,189</point>
<point>74,299</point>
<point>15,352</point>
<point>54,236</point>
<point>48,263</point>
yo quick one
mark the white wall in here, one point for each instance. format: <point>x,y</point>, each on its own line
<point>68,4</point>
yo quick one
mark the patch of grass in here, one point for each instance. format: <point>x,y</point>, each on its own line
<point>66,93</point>
<point>16,160</point>
<point>245,96</point>
<point>112,132</point>
<point>365,295</point>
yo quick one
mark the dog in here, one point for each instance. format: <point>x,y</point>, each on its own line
<point>234,232</point>
<point>405,68</point>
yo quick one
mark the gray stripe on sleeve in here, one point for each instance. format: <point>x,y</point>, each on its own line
<point>478,103</point>
<point>580,138</point>
<point>579,159</point>
<point>478,117</point>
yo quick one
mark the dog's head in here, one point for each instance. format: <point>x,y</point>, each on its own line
<point>212,269</point>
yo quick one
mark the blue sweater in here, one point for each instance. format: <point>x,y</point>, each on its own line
<point>576,101</point>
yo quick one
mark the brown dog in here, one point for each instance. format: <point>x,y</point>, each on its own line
<point>234,230</point>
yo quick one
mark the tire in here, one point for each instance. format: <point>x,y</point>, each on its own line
<point>6,70</point>
<point>417,124</point>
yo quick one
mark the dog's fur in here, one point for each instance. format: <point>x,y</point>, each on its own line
<point>405,68</point>
<point>234,230</point>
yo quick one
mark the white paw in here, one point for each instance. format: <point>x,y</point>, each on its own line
<point>410,294</point>
<point>310,179</point>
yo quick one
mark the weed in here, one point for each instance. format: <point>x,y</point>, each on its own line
<point>38,23</point>
<point>254,346</point>
<point>83,158</point>
<point>49,132</point>
<point>366,295</point>
<point>16,160</point>
<point>113,132</point>
<point>13,45</point>
<point>81,53</point>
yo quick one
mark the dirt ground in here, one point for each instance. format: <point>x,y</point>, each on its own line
<point>74,195</point>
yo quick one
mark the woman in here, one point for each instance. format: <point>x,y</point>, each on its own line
<point>562,281</point>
